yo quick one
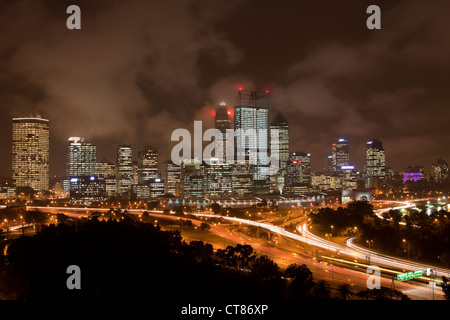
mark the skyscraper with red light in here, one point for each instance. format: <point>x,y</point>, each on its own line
<point>251,114</point>
<point>223,122</point>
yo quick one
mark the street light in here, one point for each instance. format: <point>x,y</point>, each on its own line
<point>409,249</point>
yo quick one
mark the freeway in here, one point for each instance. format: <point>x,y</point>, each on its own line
<point>351,249</point>
<point>415,290</point>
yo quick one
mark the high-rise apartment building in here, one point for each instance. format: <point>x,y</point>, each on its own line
<point>30,153</point>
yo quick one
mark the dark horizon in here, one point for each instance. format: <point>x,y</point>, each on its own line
<point>137,71</point>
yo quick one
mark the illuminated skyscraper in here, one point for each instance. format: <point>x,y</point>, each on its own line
<point>124,171</point>
<point>217,178</point>
<point>172,178</point>
<point>30,153</point>
<point>299,168</point>
<point>223,118</point>
<point>279,144</point>
<point>147,164</point>
<point>340,155</point>
<point>279,149</point>
<point>192,178</point>
<point>107,171</point>
<point>375,162</point>
<point>223,123</point>
<point>440,171</point>
<point>81,157</point>
<point>251,124</point>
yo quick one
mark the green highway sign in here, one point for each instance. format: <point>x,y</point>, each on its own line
<point>405,276</point>
<point>409,275</point>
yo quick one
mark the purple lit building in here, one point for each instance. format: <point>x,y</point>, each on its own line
<point>412,176</point>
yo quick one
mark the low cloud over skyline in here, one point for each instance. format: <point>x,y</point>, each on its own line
<point>139,69</point>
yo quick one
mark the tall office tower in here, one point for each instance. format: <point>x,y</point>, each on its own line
<point>124,171</point>
<point>30,153</point>
<point>192,178</point>
<point>279,149</point>
<point>172,178</point>
<point>242,179</point>
<point>106,170</point>
<point>157,188</point>
<point>217,178</point>
<point>223,123</point>
<point>330,163</point>
<point>147,164</point>
<point>348,176</point>
<point>251,124</point>
<point>375,162</point>
<point>340,154</point>
<point>81,156</point>
<point>299,168</point>
<point>440,171</point>
<point>279,140</point>
<point>135,179</point>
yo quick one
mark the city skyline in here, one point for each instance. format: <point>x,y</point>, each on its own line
<point>81,142</point>
<point>190,153</point>
<point>397,80</point>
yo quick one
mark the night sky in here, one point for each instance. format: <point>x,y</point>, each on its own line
<point>140,69</point>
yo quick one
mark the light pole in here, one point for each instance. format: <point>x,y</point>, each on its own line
<point>409,249</point>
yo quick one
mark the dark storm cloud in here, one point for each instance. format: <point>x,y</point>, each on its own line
<point>384,86</point>
<point>130,75</point>
<point>139,69</point>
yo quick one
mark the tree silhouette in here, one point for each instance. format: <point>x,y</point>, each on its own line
<point>344,291</point>
<point>264,268</point>
<point>302,279</point>
<point>446,287</point>
<point>322,289</point>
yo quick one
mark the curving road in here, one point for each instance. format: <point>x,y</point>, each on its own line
<point>418,290</point>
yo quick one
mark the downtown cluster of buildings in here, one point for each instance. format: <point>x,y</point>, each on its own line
<point>88,179</point>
